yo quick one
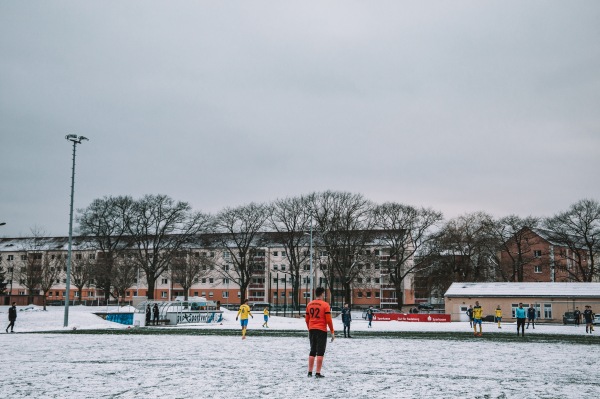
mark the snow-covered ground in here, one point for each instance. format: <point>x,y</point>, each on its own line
<point>194,366</point>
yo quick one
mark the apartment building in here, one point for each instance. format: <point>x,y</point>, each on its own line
<point>272,279</point>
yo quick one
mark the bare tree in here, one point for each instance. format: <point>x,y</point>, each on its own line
<point>237,233</point>
<point>187,266</point>
<point>3,283</point>
<point>514,237</point>
<point>104,225</point>
<point>30,268</point>
<point>345,229</point>
<point>125,274</point>
<point>405,230</point>
<point>462,251</point>
<point>578,229</point>
<point>50,270</point>
<point>290,219</point>
<point>82,271</point>
<point>160,228</point>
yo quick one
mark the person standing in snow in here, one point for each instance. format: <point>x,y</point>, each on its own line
<point>577,316</point>
<point>588,316</point>
<point>520,314</point>
<point>470,314</point>
<point>477,318</point>
<point>318,318</point>
<point>148,314</point>
<point>531,316</point>
<point>346,320</point>
<point>498,315</point>
<point>155,313</point>
<point>12,317</point>
<point>242,314</point>
<point>370,316</point>
<point>266,317</point>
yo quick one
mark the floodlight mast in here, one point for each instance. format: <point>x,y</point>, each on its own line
<point>76,140</point>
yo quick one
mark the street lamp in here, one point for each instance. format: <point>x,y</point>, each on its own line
<point>75,140</point>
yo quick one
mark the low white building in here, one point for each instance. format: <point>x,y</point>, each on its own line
<point>550,300</point>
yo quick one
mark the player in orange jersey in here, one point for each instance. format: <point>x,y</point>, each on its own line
<point>318,318</point>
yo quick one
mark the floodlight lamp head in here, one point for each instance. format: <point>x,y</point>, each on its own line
<point>76,139</point>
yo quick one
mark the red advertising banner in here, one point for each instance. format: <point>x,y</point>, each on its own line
<point>431,318</point>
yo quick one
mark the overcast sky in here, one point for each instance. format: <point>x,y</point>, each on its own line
<point>461,106</point>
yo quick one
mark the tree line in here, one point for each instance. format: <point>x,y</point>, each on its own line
<point>157,234</point>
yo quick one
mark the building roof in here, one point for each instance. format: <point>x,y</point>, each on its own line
<point>481,290</point>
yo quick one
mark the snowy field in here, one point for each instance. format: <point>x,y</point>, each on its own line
<point>223,366</point>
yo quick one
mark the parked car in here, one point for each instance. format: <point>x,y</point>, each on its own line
<point>426,306</point>
<point>569,318</point>
<point>596,320</point>
<point>490,318</point>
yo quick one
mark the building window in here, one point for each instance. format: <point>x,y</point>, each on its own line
<point>10,257</point>
<point>225,294</point>
<point>547,311</point>
<point>226,281</point>
<point>23,257</point>
<point>359,294</point>
<point>377,294</point>
<point>537,269</point>
<point>537,253</point>
<point>368,294</point>
<point>283,267</point>
<point>92,256</point>
<point>274,295</point>
<point>275,253</point>
<point>211,280</point>
<point>513,308</point>
<point>163,294</point>
<point>306,295</point>
<point>210,294</point>
<point>164,281</point>
<point>239,294</point>
<point>275,267</point>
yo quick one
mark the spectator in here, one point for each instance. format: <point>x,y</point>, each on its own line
<point>577,316</point>
<point>12,317</point>
<point>531,316</point>
<point>470,314</point>
<point>148,314</point>
<point>155,312</point>
<point>346,320</point>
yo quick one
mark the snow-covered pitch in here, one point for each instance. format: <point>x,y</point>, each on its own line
<point>223,366</point>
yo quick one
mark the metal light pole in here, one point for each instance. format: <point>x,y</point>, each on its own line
<point>310,295</point>
<point>76,140</point>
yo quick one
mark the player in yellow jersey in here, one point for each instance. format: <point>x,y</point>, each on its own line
<point>477,316</point>
<point>243,314</point>
<point>498,315</point>
<point>266,317</point>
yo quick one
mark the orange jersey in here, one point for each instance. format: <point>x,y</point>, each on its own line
<point>318,316</point>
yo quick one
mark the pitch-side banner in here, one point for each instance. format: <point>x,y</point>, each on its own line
<point>432,318</point>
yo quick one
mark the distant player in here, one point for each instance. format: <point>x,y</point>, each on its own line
<point>266,317</point>
<point>588,316</point>
<point>243,314</point>
<point>520,314</point>
<point>477,318</point>
<point>470,314</point>
<point>498,315</point>
<point>531,316</point>
<point>318,318</point>
<point>577,316</point>
<point>370,316</point>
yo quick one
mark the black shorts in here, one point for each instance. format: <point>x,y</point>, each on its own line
<point>318,342</point>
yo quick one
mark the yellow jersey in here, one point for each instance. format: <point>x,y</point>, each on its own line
<point>244,312</point>
<point>498,313</point>
<point>266,312</point>
<point>477,312</point>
